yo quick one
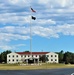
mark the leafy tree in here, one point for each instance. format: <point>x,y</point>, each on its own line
<point>27,51</point>
<point>67,57</point>
<point>72,58</point>
<point>43,58</point>
<point>3,56</point>
<point>61,55</point>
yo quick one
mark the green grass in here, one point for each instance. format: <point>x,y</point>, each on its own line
<point>28,67</point>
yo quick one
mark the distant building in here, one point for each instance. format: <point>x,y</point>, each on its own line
<point>28,56</point>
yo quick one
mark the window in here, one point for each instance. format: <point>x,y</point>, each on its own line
<point>21,55</point>
<point>32,55</point>
<point>47,55</point>
<point>13,60</point>
<point>16,59</point>
<point>9,55</point>
<point>36,55</point>
<point>9,60</point>
<point>55,59</point>
<point>55,55</point>
<point>51,59</point>
<point>51,55</point>
<point>28,55</point>
<point>25,56</point>
<point>48,60</point>
<point>39,55</point>
<point>16,55</point>
<point>13,56</point>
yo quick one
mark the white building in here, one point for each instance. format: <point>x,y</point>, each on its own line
<point>26,57</point>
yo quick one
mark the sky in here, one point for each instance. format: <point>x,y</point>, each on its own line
<point>52,31</point>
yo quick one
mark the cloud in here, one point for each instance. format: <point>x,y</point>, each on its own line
<point>15,13</point>
<point>22,33</point>
<point>5,47</point>
<point>44,32</point>
<point>44,2</point>
<point>54,31</point>
<point>21,30</point>
<point>48,21</point>
<point>19,45</point>
<point>9,37</point>
<point>53,18</point>
<point>14,19</point>
<point>55,3</point>
<point>16,2</point>
<point>10,47</point>
<point>66,29</point>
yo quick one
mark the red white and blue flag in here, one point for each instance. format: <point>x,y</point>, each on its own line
<point>33,10</point>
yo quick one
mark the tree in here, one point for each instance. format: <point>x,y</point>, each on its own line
<point>67,57</point>
<point>3,56</point>
<point>43,58</point>
<point>72,59</point>
<point>27,51</point>
<point>61,55</point>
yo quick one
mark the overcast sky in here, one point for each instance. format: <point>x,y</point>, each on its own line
<point>53,29</point>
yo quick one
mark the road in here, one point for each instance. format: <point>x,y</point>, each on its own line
<point>68,71</point>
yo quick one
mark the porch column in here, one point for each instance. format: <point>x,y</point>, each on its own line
<point>34,61</point>
<point>38,60</point>
<point>27,61</point>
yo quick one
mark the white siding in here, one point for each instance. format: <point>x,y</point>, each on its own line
<point>52,57</point>
<point>13,58</point>
<point>28,56</point>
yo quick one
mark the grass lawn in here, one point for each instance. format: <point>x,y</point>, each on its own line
<point>28,67</point>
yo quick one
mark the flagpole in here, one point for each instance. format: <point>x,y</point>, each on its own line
<point>30,34</point>
<point>31,9</point>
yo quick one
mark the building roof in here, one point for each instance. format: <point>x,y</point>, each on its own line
<point>27,53</point>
